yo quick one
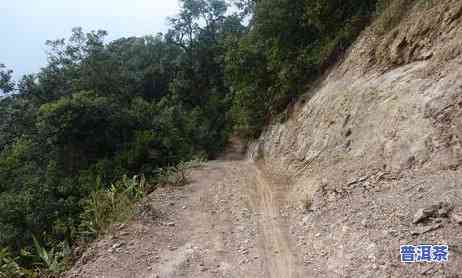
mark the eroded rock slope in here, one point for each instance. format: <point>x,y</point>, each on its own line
<point>378,139</point>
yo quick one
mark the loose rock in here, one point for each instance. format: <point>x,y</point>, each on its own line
<point>423,214</point>
<point>456,218</point>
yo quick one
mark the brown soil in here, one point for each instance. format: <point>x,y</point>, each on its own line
<point>342,181</point>
<point>226,223</point>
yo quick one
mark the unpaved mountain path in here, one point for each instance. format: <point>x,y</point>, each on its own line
<point>279,259</point>
<point>226,222</point>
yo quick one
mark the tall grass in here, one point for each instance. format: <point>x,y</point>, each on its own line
<point>110,205</point>
<point>115,203</point>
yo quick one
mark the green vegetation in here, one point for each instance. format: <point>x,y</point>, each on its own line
<point>114,204</point>
<point>290,44</point>
<point>6,83</point>
<point>9,267</point>
<point>100,112</point>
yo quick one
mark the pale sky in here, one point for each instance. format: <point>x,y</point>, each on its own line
<point>25,25</point>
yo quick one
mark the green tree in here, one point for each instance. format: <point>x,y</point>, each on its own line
<point>288,44</point>
<point>6,83</point>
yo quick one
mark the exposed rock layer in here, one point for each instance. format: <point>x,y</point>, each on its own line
<point>377,140</point>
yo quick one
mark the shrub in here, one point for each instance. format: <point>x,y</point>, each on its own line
<point>51,262</point>
<point>9,268</point>
<point>178,175</point>
<point>107,206</point>
<point>289,44</point>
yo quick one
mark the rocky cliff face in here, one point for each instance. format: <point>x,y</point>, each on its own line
<point>378,139</point>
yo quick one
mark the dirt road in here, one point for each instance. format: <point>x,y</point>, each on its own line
<point>274,247</point>
<point>225,223</point>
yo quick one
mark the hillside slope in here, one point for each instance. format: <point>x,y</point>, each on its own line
<point>335,189</point>
<point>377,140</point>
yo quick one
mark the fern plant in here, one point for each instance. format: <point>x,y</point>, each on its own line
<point>8,265</point>
<point>52,260</point>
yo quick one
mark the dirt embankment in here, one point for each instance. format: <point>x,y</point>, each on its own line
<point>378,140</point>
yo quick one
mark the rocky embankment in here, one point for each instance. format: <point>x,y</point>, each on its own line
<point>374,151</point>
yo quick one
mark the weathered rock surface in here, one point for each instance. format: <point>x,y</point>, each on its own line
<point>380,138</point>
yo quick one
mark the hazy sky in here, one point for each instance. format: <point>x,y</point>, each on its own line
<point>25,25</point>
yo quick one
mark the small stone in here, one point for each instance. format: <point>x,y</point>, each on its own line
<point>364,222</point>
<point>456,218</point>
<point>306,220</point>
<point>244,261</point>
<point>171,224</point>
<point>422,214</point>
<point>117,245</point>
<point>444,209</point>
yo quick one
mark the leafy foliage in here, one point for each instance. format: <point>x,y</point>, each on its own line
<point>107,206</point>
<point>6,84</point>
<point>8,266</point>
<point>52,260</point>
<point>289,43</point>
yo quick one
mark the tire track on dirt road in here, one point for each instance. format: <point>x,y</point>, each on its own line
<point>279,259</point>
<point>225,224</point>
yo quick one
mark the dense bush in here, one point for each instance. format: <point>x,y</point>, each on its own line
<point>99,111</point>
<point>289,44</point>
